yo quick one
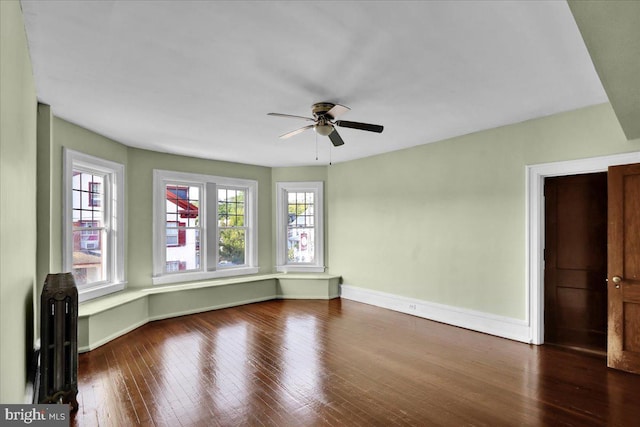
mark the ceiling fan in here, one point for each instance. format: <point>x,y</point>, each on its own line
<point>324,122</point>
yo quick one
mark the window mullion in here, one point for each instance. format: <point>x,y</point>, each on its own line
<point>211,226</point>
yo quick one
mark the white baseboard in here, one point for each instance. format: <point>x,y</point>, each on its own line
<point>501,326</point>
<point>307,296</point>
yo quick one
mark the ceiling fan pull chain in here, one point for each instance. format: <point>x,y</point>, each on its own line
<point>316,147</point>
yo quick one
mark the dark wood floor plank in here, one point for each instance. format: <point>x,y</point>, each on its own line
<point>333,363</point>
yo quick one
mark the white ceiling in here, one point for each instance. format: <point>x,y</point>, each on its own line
<point>198,78</point>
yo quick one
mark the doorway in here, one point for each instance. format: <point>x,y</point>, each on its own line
<point>575,255</point>
<point>535,177</point>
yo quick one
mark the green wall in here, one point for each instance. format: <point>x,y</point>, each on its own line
<point>611,33</point>
<point>445,222</point>
<point>17,203</point>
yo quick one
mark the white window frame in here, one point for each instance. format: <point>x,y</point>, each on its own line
<point>208,215</point>
<point>113,206</point>
<point>282,220</point>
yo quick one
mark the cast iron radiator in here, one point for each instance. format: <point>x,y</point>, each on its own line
<point>59,340</point>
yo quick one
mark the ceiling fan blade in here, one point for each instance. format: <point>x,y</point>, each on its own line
<point>336,111</point>
<point>295,132</point>
<point>360,126</point>
<point>335,138</point>
<point>289,116</point>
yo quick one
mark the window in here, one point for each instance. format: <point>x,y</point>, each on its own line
<point>300,235</point>
<point>205,227</point>
<point>93,243</point>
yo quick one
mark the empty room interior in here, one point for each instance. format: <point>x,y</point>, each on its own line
<point>323,213</point>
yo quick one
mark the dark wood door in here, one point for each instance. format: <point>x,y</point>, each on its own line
<point>576,261</point>
<point>623,350</point>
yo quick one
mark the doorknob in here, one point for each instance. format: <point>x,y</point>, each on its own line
<point>617,280</point>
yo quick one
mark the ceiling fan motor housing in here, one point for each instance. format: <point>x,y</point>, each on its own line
<point>319,109</point>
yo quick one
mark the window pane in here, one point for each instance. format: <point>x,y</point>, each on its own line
<point>95,191</point>
<point>183,204</point>
<point>172,234</point>
<point>300,244</point>
<point>186,254</point>
<point>89,263</point>
<point>231,249</point>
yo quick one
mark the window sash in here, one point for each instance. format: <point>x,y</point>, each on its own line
<point>221,263</point>
<point>182,209</point>
<point>103,231</point>
<point>224,203</point>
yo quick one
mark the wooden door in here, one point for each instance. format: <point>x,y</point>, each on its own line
<point>576,261</point>
<point>623,349</point>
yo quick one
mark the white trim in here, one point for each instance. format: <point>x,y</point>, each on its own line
<point>114,213</point>
<point>308,296</point>
<point>282,188</point>
<point>501,326</point>
<point>207,184</point>
<point>99,290</point>
<point>535,175</point>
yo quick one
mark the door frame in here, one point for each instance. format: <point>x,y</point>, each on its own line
<point>534,271</point>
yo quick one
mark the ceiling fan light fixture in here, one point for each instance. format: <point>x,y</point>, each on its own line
<point>324,114</point>
<point>324,129</point>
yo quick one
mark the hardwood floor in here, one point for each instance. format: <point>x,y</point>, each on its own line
<point>338,362</point>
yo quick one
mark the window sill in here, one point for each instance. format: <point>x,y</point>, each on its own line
<point>97,291</point>
<point>300,269</point>
<point>202,275</point>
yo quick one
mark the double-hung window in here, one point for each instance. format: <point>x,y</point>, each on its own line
<point>299,226</point>
<point>93,242</point>
<point>204,227</point>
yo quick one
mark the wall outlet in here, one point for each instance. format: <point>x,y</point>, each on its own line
<point>412,307</point>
